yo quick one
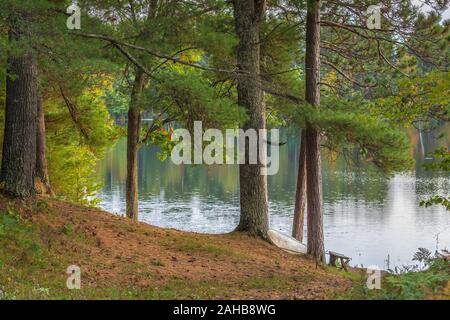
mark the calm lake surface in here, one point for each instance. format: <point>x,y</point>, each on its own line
<point>371,218</point>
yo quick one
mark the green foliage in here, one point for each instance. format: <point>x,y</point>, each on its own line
<point>419,285</point>
<point>442,164</point>
<point>73,156</point>
<point>418,100</point>
<point>182,96</point>
<point>158,135</point>
<point>409,283</point>
<point>377,142</point>
<point>442,160</point>
<point>349,126</point>
<point>96,120</point>
<point>118,99</point>
<point>436,200</point>
<point>72,173</point>
<point>191,97</point>
<point>82,71</point>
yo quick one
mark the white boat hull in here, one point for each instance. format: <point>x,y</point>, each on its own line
<point>286,243</point>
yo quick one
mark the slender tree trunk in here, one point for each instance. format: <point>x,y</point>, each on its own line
<point>19,144</point>
<point>248,15</point>
<point>42,180</point>
<point>314,194</point>
<point>134,127</point>
<point>313,157</point>
<point>300,195</point>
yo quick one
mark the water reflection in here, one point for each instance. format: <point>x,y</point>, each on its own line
<point>373,219</point>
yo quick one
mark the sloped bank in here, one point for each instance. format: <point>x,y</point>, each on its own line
<point>124,260</point>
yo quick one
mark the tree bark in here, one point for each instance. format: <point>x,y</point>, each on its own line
<point>248,14</point>
<point>313,157</point>
<point>42,180</point>
<point>300,195</point>
<point>134,127</point>
<point>19,144</point>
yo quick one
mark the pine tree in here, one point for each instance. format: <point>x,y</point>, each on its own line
<point>249,15</point>
<point>357,60</point>
<point>19,144</point>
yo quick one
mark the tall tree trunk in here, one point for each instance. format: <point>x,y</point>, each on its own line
<point>134,127</point>
<point>300,195</point>
<point>248,15</point>
<point>42,180</point>
<point>313,157</point>
<point>19,144</point>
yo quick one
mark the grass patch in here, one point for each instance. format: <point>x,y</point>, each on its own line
<point>21,254</point>
<point>158,263</point>
<point>18,240</point>
<point>68,229</point>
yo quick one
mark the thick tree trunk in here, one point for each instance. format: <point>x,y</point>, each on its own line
<point>134,127</point>
<point>300,195</point>
<point>19,144</point>
<point>248,14</point>
<point>42,180</point>
<point>313,157</point>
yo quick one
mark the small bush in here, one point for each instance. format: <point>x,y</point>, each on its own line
<point>425,280</point>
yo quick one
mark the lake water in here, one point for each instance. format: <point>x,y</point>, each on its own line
<point>373,219</point>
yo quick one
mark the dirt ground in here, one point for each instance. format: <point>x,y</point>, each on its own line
<point>114,252</point>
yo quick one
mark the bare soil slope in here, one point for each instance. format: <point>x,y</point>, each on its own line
<point>122,259</point>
